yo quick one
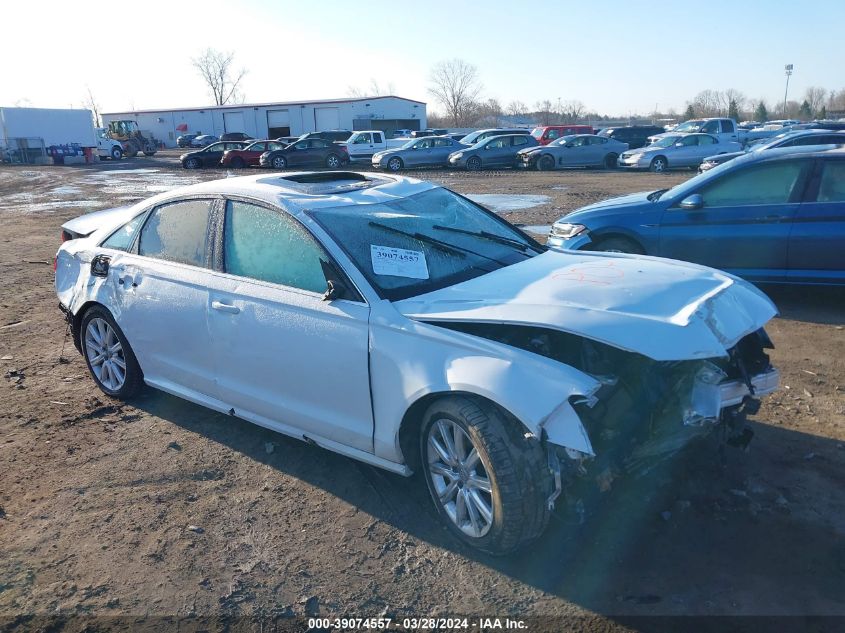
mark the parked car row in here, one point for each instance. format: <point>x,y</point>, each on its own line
<point>203,140</point>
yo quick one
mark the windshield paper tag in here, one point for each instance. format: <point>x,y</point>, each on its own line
<point>398,262</point>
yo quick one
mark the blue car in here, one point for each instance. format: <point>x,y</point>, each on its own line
<point>769,217</point>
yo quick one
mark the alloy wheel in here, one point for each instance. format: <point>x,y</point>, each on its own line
<point>105,354</point>
<point>461,482</point>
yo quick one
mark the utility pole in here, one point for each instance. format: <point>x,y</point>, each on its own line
<point>788,70</point>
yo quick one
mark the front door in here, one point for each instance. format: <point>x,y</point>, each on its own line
<point>282,354</point>
<point>744,224</point>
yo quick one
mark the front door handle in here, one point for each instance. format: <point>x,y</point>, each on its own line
<point>225,307</point>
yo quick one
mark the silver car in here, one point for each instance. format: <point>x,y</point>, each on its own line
<point>499,151</point>
<point>575,150</point>
<point>430,151</point>
<point>675,151</point>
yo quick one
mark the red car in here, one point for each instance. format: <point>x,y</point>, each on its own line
<point>548,133</point>
<point>249,155</point>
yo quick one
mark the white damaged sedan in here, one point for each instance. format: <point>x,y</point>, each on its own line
<point>398,323</point>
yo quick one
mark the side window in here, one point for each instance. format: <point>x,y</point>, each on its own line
<point>122,238</point>
<point>689,141</point>
<point>442,142</point>
<point>552,134</point>
<point>727,126</point>
<point>520,140</point>
<point>832,184</point>
<point>706,140</point>
<point>301,145</point>
<point>497,143</point>
<point>267,245</point>
<point>597,140</point>
<point>274,146</point>
<point>363,139</point>
<point>766,184</point>
<point>177,232</point>
<point>711,127</point>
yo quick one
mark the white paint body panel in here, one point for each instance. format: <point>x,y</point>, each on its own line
<point>345,373</point>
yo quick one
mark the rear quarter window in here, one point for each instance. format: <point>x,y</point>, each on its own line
<point>177,232</point>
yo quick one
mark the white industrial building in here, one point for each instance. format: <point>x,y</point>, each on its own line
<point>272,120</point>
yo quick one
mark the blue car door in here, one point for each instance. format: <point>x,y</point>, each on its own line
<point>743,222</point>
<point>817,241</point>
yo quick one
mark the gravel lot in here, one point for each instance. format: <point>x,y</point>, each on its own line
<point>162,508</point>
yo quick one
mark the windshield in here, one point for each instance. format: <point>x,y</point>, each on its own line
<point>537,132</point>
<point>666,141</point>
<point>689,126</point>
<point>563,140</point>
<point>427,241</point>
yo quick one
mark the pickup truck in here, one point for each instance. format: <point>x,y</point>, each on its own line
<point>362,145</point>
<point>724,129</point>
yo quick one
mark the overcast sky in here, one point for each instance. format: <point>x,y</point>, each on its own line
<point>617,56</point>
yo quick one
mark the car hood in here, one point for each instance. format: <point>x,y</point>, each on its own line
<point>625,202</point>
<point>86,224</point>
<point>663,309</point>
<point>723,158</point>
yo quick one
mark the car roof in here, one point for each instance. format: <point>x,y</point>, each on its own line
<point>300,191</point>
<point>782,153</point>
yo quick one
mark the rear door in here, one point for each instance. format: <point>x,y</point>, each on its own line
<point>817,241</point>
<point>283,354</point>
<point>160,289</point>
<point>576,153</point>
<point>745,222</point>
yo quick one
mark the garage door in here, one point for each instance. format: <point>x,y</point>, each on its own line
<point>278,123</point>
<point>233,121</point>
<point>327,119</point>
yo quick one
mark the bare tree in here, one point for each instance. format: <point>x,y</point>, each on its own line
<point>491,111</point>
<point>544,110</point>
<point>708,103</point>
<point>222,80</point>
<point>91,104</point>
<point>737,96</point>
<point>815,98</point>
<point>455,85</point>
<point>373,89</point>
<point>516,108</point>
<point>571,111</point>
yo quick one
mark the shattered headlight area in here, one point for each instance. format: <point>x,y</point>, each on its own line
<point>647,410</point>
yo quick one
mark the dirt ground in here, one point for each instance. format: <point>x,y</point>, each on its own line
<point>161,508</point>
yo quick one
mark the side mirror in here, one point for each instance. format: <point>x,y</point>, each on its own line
<point>336,287</point>
<point>693,202</point>
<point>679,144</point>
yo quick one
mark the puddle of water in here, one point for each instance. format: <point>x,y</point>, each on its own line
<point>66,190</point>
<point>503,202</point>
<point>536,229</point>
<point>560,187</point>
<point>118,170</point>
<point>52,206</point>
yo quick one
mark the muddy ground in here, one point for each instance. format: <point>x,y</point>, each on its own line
<point>161,508</point>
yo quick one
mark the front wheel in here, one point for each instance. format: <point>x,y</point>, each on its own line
<point>116,153</point>
<point>474,164</point>
<point>279,162</point>
<point>545,163</point>
<point>107,353</point>
<point>659,165</point>
<point>237,163</point>
<point>192,163</point>
<point>619,245</point>
<point>394,164</point>
<point>610,161</point>
<point>489,483</point>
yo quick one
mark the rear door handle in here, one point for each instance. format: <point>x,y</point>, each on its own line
<point>225,307</point>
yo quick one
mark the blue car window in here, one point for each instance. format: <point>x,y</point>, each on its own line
<point>122,238</point>
<point>765,184</point>
<point>832,185</point>
<point>266,245</point>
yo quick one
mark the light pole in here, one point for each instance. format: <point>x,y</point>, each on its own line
<point>788,70</point>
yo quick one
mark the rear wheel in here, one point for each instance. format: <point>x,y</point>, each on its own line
<point>659,164</point>
<point>108,355</point>
<point>545,163</point>
<point>489,483</point>
<point>237,163</point>
<point>474,164</point>
<point>619,245</point>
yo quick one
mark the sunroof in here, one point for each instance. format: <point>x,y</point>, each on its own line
<point>326,183</point>
<point>328,176</point>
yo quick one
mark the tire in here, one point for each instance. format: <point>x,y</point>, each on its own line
<point>118,375</point>
<point>333,161</point>
<point>279,162</point>
<point>237,163</point>
<point>659,164</point>
<point>545,163</point>
<point>499,504</point>
<point>474,164</point>
<point>116,153</point>
<point>395,164</point>
<point>619,245</point>
<point>191,163</point>
<point>610,161</point>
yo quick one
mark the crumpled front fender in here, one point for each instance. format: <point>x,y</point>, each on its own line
<point>410,360</point>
